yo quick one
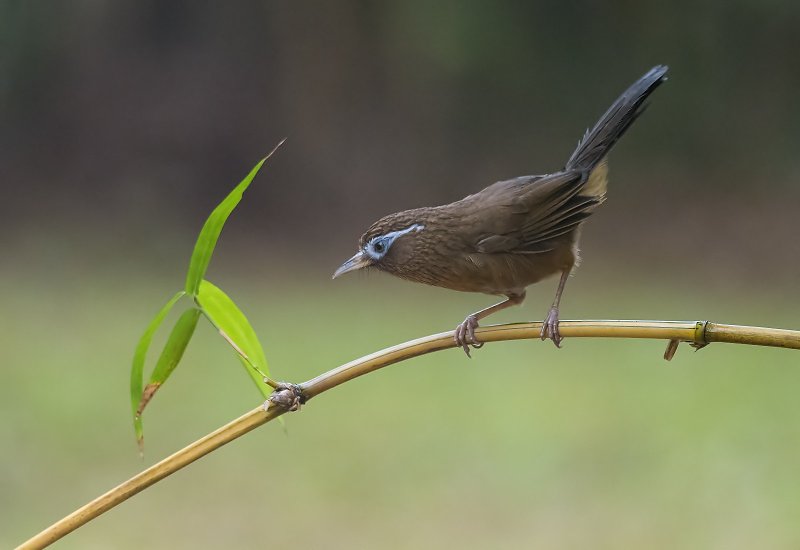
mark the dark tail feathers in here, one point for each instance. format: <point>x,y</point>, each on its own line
<point>598,141</point>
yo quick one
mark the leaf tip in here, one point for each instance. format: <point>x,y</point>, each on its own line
<point>278,146</point>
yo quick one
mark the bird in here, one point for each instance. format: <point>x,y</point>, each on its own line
<point>510,235</point>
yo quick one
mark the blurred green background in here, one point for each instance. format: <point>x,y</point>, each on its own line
<point>122,125</point>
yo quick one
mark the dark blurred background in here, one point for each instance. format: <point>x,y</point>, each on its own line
<point>132,119</point>
<point>122,124</point>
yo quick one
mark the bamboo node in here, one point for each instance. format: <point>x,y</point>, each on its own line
<point>699,335</point>
<point>287,396</point>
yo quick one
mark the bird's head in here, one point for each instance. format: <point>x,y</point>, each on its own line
<point>387,245</point>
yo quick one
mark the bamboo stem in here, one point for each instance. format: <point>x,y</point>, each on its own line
<point>151,475</point>
<point>698,333</point>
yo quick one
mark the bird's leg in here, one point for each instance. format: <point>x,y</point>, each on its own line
<point>465,332</point>
<point>550,324</point>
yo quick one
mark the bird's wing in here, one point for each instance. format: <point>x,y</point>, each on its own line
<point>528,214</point>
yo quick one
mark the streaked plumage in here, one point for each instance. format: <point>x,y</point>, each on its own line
<point>509,235</point>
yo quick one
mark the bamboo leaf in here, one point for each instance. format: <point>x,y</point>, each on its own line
<point>171,355</point>
<point>236,330</point>
<point>207,240</point>
<point>139,355</point>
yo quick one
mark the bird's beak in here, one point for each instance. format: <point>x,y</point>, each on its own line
<point>359,261</point>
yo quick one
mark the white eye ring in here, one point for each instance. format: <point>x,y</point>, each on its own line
<point>379,245</point>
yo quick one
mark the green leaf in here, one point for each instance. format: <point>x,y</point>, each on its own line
<point>171,354</point>
<point>235,328</point>
<point>207,240</point>
<point>137,368</point>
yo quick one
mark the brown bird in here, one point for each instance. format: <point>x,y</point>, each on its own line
<point>510,235</point>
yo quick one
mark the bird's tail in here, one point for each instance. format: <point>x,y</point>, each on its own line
<point>598,141</point>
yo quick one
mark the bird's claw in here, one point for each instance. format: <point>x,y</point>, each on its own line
<point>465,335</point>
<point>550,327</point>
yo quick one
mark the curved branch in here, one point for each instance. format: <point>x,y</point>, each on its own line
<point>697,333</point>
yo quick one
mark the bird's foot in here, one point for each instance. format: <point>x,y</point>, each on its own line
<point>465,335</point>
<point>550,327</point>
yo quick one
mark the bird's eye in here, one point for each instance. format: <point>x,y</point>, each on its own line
<point>378,247</point>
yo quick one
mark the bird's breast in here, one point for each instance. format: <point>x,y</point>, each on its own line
<point>471,271</point>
